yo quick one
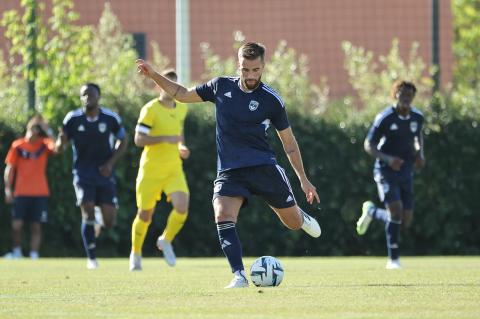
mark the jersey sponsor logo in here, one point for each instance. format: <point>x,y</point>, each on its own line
<point>253,105</point>
<point>413,126</point>
<point>393,127</point>
<point>102,127</point>
<point>81,128</point>
<point>228,94</point>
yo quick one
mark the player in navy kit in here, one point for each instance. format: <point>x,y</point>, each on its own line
<point>396,141</point>
<point>245,107</point>
<point>98,140</point>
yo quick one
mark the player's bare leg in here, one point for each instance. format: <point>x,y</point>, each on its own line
<point>295,218</point>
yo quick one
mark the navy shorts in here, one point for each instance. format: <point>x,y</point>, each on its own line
<point>267,181</point>
<point>393,186</point>
<point>103,191</point>
<point>30,208</point>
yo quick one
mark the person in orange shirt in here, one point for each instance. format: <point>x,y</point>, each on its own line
<point>26,186</point>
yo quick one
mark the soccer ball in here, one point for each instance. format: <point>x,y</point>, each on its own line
<point>266,271</point>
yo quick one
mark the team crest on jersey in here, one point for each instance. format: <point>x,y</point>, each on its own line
<point>81,128</point>
<point>413,126</point>
<point>253,105</point>
<point>102,127</point>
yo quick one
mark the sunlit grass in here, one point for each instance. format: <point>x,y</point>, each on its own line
<point>349,287</point>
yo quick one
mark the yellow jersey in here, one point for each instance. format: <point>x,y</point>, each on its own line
<point>158,120</point>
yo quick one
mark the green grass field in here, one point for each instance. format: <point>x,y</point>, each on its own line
<point>322,287</point>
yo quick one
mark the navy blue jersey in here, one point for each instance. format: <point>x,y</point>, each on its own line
<point>395,135</point>
<point>93,140</point>
<point>242,122</point>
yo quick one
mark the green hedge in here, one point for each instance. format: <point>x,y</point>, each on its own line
<point>446,211</point>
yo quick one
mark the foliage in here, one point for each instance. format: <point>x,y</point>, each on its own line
<point>69,55</point>
<point>372,78</point>
<point>466,95</point>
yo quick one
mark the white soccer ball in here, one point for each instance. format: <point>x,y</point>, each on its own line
<point>266,271</point>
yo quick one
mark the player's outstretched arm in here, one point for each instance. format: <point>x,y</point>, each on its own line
<point>175,90</point>
<point>292,150</point>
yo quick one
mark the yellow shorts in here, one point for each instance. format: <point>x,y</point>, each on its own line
<point>149,190</point>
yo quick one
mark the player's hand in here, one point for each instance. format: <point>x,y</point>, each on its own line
<point>106,169</point>
<point>395,163</point>
<point>8,195</point>
<point>419,162</point>
<point>61,140</point>
<point>184,151</point>
<point>61,137</point>
<point>144,68</point>
<point>310,191</point>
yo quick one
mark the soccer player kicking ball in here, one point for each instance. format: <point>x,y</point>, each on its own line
<point>396,141</point>
<point>245,109</point>
<point>160,131</point>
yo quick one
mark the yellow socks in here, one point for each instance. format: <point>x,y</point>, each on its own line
<point>174,224</point>
<point>139,231</point>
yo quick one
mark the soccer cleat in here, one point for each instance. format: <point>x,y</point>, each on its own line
<point>135,262</point>
<point>12,255</point>
<point>393,264</point>
<point>366,218</point>
<point>166,247</point>
<point>92,264</point>
<point>310,225</point>
<point>238,281</point>
<point>34,255</point>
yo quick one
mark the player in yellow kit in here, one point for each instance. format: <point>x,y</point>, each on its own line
<point>160,131</point>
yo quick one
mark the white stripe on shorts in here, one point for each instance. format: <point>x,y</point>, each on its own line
<point>285,178</point>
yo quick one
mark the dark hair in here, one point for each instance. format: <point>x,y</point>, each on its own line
<point>251,51</point>
<point>399,85</point>
<point>35,122</point>
<point>40,130</point>
<point>95,86</point>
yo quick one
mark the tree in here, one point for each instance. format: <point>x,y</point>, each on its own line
<point>466,93</point>
<point>372,78</point>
